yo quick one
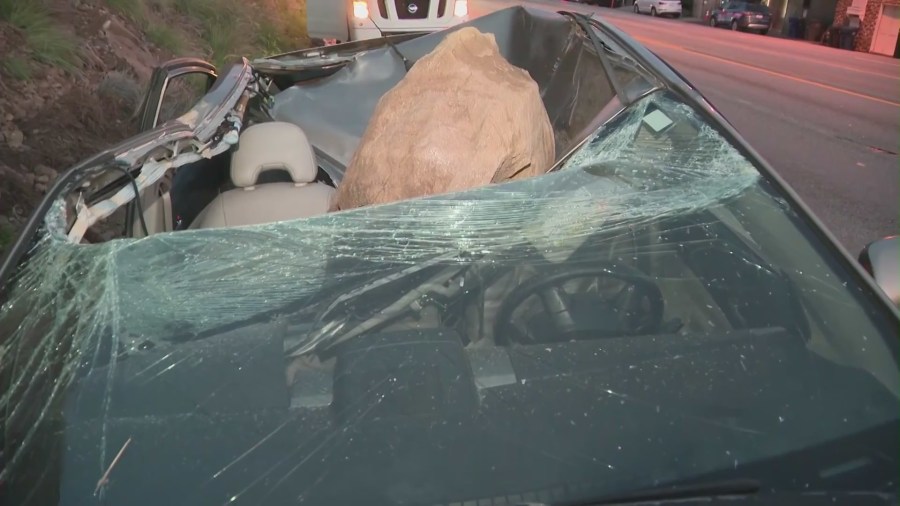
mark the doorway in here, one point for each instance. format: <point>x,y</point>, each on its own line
<point>887,30</point>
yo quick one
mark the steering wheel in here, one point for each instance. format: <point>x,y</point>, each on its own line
<point>622,301</point>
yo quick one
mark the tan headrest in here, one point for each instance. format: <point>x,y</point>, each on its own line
<point>273,145</point>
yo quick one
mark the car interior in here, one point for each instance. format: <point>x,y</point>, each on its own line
<point>520,378</point>
<point>681,275</point>
<point>275,168</point>
<point>268,147</point>
<point>271,175</point>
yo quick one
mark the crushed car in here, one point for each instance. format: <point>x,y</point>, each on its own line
<point>650,314</point>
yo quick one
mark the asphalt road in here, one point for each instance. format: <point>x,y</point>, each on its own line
<point>827,120</point>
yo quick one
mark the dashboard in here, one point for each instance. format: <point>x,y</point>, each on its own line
<point>580,379</point>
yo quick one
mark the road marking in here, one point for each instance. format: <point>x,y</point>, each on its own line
<point>774,51</point>
<point>650,41</point>
<point>620,18</point>
<point>628,18</point>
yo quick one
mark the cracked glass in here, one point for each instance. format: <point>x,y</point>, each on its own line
<point>652,312</point>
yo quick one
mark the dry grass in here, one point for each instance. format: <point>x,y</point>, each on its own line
<point>222,28</point>
<point>46,41</point>
<point>15,67</point>
<point>165,38</point>
<point>131,9</point>
<point>285,28</point>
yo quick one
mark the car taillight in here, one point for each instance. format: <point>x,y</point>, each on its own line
<point>461,9</point>
<point>360,9</point>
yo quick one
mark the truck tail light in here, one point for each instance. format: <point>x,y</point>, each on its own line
<point>360,9</point>
<point>461,8</point>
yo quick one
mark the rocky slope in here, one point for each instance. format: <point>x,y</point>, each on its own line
<point>53,115</point>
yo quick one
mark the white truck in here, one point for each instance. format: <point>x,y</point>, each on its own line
<point>349,20</point>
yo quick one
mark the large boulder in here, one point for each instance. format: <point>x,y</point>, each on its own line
<point>462,117</point>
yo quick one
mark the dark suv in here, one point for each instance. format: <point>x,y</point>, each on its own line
<point>745,16</point>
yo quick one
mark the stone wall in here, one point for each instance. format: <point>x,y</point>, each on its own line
<point>840,12</point>
<point>868,23</point>
<point>867,26</point>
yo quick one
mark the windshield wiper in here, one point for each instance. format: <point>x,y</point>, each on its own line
<point>724,488</point>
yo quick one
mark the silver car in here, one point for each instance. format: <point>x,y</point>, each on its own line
<point>656,319</point>
<point>658,7</point>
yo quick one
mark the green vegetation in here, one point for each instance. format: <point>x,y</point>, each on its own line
<point>15,67</point>
<point>220,25</point>
<point>287,29</point>
<point>131,9</point>
<point>45,40</point>
<point>225,28</point>
<point>213,29</point>
<point>253,28</point>
<point>54,47</point>
<point>165,38</point>
<point>149,16</point>
<point>22,14</point>
<point>268,39</point>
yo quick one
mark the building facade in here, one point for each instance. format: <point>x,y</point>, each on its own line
<point>816,16</point>
<point>878,22</point>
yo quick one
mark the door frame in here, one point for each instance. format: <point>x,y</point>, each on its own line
<point>878,25</point>
<point>148,119</point>
<point>159,81</point>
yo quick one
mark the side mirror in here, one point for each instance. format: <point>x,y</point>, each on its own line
<point>881,259</point>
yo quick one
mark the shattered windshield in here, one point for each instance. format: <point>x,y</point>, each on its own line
<point>650,313</point>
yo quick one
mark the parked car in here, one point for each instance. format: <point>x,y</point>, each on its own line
<point>658,7</point>
<point>658,318</point>
<point>743,16</point>
<point>601,3</point>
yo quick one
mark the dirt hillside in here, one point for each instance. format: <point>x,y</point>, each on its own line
<point>73,72</point>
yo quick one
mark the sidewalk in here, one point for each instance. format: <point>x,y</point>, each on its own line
<point>777,34</point>
<point>697,21</point>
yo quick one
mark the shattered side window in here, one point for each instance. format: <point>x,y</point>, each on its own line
<point>181,94</point>
<point>261,364</point>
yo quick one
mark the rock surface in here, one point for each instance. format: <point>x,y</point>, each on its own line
<point>485,123</point>
<point>55,119</point>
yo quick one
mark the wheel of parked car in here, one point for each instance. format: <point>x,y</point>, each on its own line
<point>734,25</point>
<point>636,10</point>
<point>763,32</point>
<point>653,11</point>
<point>712,22</point>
